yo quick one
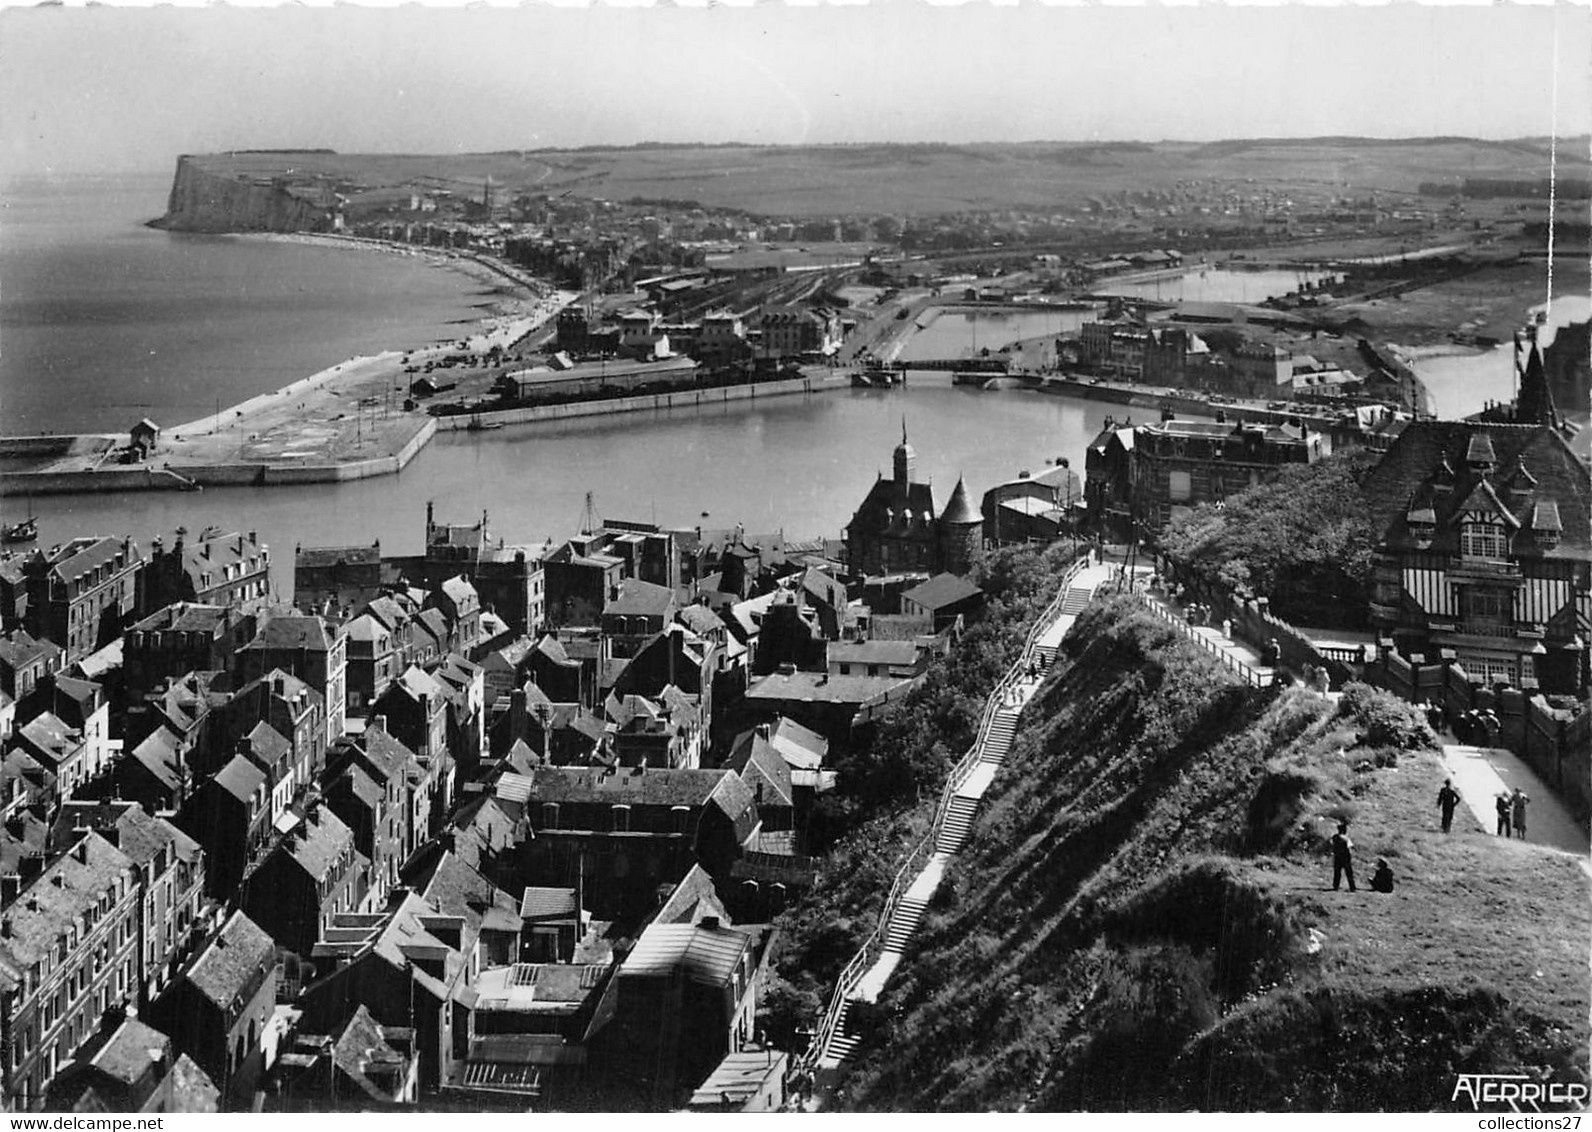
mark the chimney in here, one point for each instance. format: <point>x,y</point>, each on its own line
<point>81,852</point>
<point>10,889</point>
<point>378,724</point>
<point>710,923</point>
<point>764,731</point>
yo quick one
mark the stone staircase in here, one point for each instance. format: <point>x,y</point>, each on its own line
<point>954,824</point>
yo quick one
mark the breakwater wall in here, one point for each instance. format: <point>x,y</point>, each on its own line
<point>188,477</point>
<point>680,399</point>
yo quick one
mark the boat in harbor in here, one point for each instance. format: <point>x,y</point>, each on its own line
<point>25,531</point>
<point>876,379</point>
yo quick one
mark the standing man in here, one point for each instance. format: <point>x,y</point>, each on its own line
<point>1342,859</point>
<point>1518,805</point>
<point>1502,802</point>
<point>1447,799</point>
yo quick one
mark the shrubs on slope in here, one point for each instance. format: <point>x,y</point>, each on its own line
<point>1143,919</point>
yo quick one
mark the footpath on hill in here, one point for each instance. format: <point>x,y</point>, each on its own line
<point>1144,916</point>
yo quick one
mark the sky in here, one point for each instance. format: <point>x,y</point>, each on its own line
<point>112,89</point>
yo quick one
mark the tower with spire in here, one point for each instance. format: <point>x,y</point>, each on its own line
<point>899,530</point>
<point>961,532</point>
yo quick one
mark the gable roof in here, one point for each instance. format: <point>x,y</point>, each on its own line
<point>941,591</point>
<point>1424,478</point>
<point>641,599</point>
<point>708,956</point>
<point>227,967</point>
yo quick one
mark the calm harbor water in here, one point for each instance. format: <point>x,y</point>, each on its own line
<point>1464,382</point>
<point>1215,285</point>
<point>954,333</point>
<point>797,464</point>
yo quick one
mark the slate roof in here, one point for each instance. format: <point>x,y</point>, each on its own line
<point>822,688</point>
<point>700,619</point>
<point>268,746</point>
<point>323,556</point>
<point>873,652</point>
<point>903,511</point>
<point>708,956</point>
<point>959,509</point>
<point>941,591</point>
<point>317,842</point>
<point>294,631</point>
<point>127,1054</point>
<point>1425,470</point>
<point>457,889</point>
<point>799,746</point>
<point>240,778</point>
<point>185,617</point>
<point>44,912</point>
<point>738,1078</point>
<point>760,764</point>
<point>634,786</point>
<point>18,649</point>
<point>549,903</point>
<point>83,556</point>
<point>231,962</point>
<point>641,599</point>
<point>363,1046</point>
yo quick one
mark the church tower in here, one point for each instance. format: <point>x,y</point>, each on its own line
<point>961,533</point>
<point>1534,403</point>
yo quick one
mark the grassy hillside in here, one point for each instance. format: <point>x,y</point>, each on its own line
<point>1145,918</point>
<point>917,179</point>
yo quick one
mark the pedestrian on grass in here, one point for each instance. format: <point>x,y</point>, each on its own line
<point>1447,801</point>
<point>1517,805</point>
<point>1382,878</point>
<point>1271,654</point>
<point>1342,857</point>
<point>1502,803</point>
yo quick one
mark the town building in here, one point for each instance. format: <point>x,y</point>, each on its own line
<point>229,570</point>
<point>180,638</point>
<point>313,873</point>
<point>896,528</point>
<point>68,953</point>
<point>218,1011</point>
<point>336,580</point>
<point>83,593</point>
<point>310,647</point>
<point>1483,551</point>
<point>1142,478</point>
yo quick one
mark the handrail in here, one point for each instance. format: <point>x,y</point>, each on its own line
<point>852,973</point>
<point>1249,675</point>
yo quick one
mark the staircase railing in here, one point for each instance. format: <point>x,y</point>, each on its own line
<point>1246,672</point>
<point>871,947</point>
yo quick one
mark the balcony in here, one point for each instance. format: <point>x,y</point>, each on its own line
<point>1462,569</point>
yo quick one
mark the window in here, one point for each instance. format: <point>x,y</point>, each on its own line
<point>1492,606</point>
<point>1483,540</point>
<point>1180,487</point>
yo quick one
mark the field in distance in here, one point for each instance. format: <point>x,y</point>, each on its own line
<point>916,180</point>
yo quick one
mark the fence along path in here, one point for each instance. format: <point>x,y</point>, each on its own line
<point>920,874</point>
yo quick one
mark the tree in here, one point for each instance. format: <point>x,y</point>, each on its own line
<point>1302,540</point>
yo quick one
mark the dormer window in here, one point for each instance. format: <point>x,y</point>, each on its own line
<point>1422,524</point>
<point>1483,540</point>
<point>1546,526</point>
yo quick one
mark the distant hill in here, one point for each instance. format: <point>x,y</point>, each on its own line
<point>1144,919</point>
<point>903,179</point>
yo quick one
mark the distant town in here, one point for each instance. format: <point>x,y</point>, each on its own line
<point>512,824</point>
